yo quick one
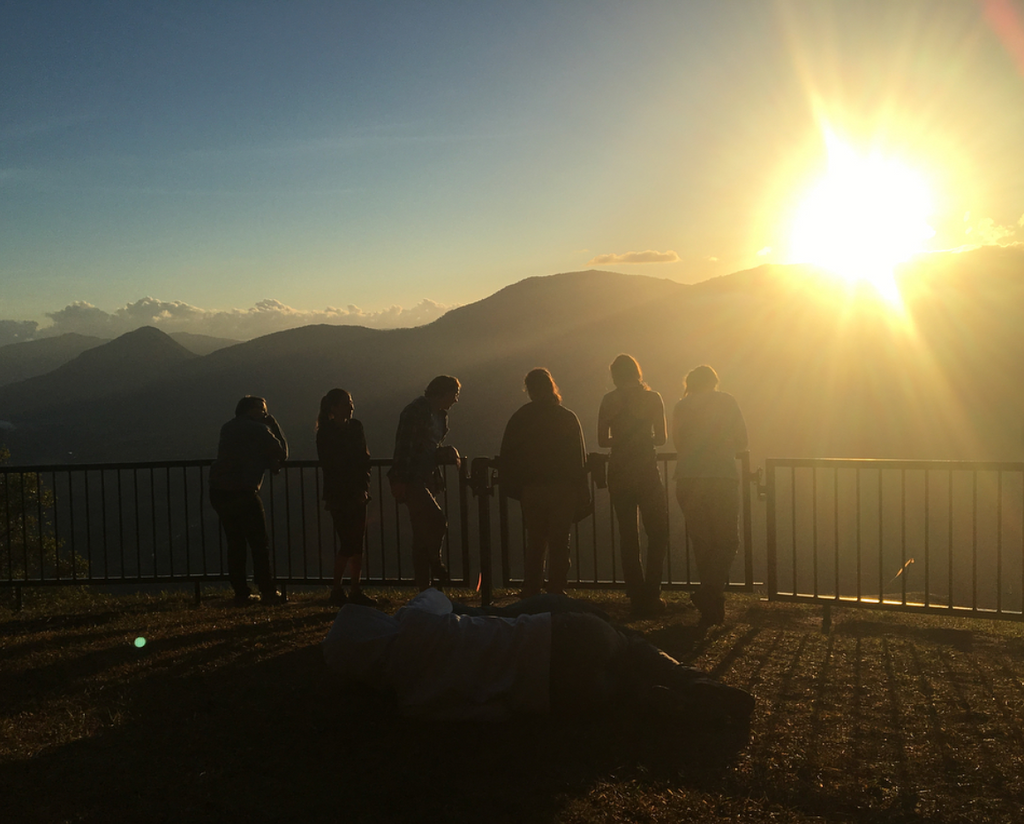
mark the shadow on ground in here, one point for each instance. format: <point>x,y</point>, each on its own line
<point>218,738</point>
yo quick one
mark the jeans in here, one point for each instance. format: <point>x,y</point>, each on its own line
<point>548,510</point>
<point>244,522</point>
<point>429,526</point>
<point>641,497</point>
<point>711,508</point>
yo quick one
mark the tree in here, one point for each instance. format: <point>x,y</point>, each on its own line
<point>29,551</point>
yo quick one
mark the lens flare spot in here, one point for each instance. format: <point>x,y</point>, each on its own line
<point>140,642</point>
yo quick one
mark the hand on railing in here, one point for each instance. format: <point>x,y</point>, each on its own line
<point>447,455</point>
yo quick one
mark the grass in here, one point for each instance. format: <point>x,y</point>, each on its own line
<point>229,714</point>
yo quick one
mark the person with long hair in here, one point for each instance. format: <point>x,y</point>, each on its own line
<point>345,462</point>
<point>708,430</point>
<point>543,466</point>
<point>631,421</point>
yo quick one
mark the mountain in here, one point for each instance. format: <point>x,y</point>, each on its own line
<point>20,361</point>
<point>820,369</point>
<point>112,369</point>
<point>29,359</point>
<point>201,344</point>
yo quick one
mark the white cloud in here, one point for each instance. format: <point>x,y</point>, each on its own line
<point>650,256</point>
<point>265,317</point>
<point>986,232</point>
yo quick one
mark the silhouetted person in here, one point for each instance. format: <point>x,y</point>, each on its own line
<point>708,430</point>
<point>542,465</point>
<point>345,462</point>
<point>416,479</point>
<point>547,656</point>
<point>250,444</point>
<point>631,421</point>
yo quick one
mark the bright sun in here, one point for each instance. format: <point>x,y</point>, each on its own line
<point>865,216</point>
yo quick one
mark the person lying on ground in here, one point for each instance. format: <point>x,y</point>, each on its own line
<point>551,657</point>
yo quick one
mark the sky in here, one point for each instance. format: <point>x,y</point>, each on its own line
<point>232,168</point>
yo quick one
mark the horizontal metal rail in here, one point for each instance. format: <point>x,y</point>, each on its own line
<point>941,537</point>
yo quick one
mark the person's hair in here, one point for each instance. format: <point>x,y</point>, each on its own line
<point>541,386</point>
<point>328,402</point>
<point>247,404</point>
<point>442,385</point>
<point>699,379</point>
<point>625,371</point>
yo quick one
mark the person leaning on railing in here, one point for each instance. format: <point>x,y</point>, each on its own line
<point>543,466</point>
<point>631,421</point>
<point>250,444</point>
<point>416,479</point>
<point>345,463</point>
<point>708,430</point>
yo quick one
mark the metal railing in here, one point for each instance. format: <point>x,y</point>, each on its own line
<point>934,536</point>
<point>928,536</point>
<point>151,523</point>
<point>594,542</point>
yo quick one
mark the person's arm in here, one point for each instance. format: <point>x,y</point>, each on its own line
<point>658,419</point>
<point>448,455</point>
<point>278,448</point>
<point>360,454</point>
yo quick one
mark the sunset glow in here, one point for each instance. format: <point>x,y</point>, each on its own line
<point>866,215</point>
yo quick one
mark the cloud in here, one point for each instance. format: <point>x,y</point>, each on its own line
<point>650,256</point>
<point>265,317</point>
<point>16,331</point>
<point>986,232</point>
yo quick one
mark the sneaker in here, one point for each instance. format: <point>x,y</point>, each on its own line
<point>338,597</point>
<point>272,599</point>
<point>361,599</point>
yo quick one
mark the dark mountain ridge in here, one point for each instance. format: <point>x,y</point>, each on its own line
<point>819,370</point>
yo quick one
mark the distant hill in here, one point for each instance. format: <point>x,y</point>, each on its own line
<point>201,344</point>
<point>818,371</point>
<point>20,361</point>
<point>29,359</point>
<point>109,370</point>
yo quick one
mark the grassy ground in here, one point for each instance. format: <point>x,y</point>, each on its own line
<point>229,714</point>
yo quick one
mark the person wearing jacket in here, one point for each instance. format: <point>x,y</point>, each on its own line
<point>543,466</point>
<point>250,443</point>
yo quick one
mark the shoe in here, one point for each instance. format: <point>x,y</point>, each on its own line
<point>272,599</point>
<point>361,599</point>
<point>338,597</point>
<point>245,599</point>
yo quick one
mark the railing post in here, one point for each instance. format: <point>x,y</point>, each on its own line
<point>770,526</point>
<point>464,485</point>
<point>748,528</point>
<point>482,489</point>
